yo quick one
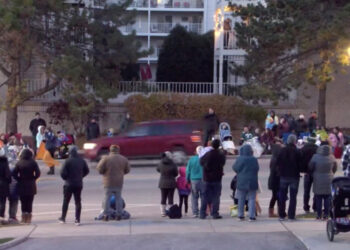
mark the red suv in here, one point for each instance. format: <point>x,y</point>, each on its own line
<point>150,139</point>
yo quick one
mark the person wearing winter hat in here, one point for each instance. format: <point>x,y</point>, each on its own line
<point>113,167</point>
<point>167,183</point>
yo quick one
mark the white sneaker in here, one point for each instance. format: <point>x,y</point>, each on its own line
<point>77,223</point>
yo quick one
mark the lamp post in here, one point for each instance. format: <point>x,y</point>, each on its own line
<point>348,50</point>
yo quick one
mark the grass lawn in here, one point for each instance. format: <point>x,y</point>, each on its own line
<point>4,240</point>
<point>307,216</point>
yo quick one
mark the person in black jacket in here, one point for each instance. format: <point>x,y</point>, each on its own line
<point>51,146</point>
<point>274,179</point>
<point>213,163</point>
<point>5,180</point>
<point>73,171</point>
<point>288,164</point>
<point>34,125</point>
<point>26,173</point>
<point>211,125</point>
<point>92,130</point>
<point>307,152</point>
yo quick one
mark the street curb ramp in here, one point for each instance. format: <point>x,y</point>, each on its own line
<point>18,240</point>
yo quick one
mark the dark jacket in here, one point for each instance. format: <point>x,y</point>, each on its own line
<point>213,164</point>
<point>168,172</point>
<point>5,177</point>
<point>211,122</point>
<point>288,162</point>
<point>247,168</point>
<point>92,131</point>
<point>51,140</point>
<point>26,172</point>
<point>306,154</point>
<point>323,166</point>
<point>312,124</point>
<point>301,126</point>
<point>74,169</point>
<point>34,124</point>
<point>274,179</point>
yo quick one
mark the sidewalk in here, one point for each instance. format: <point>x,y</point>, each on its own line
<point>19,233</point>
<point>163,233</point>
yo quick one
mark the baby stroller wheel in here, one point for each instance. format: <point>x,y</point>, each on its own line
<point>330,230</point>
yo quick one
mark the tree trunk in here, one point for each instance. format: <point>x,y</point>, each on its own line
<point>322,105</point>
<point>11,119</point>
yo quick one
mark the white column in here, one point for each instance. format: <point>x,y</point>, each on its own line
<point>149,29</point>
<point>221,73</point>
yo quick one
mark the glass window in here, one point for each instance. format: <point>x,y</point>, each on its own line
<point>138,131</point>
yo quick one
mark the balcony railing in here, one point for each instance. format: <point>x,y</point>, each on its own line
<point>177,4</point>
<point>167,27</point>
<point>139,4</point>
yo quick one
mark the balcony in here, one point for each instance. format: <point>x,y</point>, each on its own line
<point>139,4</point>
<point>183,4</point>
<point>165,28</point>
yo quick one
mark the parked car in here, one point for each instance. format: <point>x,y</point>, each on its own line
<point>150,139</point>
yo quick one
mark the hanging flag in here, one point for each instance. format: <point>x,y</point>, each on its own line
<point>148,71</point>
<point>143,73</point>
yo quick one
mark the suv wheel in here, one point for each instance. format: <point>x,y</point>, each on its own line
<point>179,156</point>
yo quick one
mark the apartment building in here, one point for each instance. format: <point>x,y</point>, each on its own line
<point>156,18</point>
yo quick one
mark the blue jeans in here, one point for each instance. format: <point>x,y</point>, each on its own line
<point>211,195</point>
<point>117,191</point>
<point>197,191</point>
<point>293,185</point>
<point>326,203</point>
<point>242,196</point>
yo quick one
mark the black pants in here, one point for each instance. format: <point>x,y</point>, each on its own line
<point>67,195</point>
<point>326,200</point>
<point>308,180</point>
<point>167,194</point>
<point>183,199</point>
<point>274,198</point>
<point>27,203</point>
<point>2,205</point>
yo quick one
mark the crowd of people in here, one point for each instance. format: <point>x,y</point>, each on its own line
<point>200,177</point>
<point>281,128</point>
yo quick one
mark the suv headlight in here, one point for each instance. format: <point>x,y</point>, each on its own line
<point>89,146</point>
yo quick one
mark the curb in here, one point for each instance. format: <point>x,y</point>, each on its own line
<point>17,241</point>
<point>295,235</point>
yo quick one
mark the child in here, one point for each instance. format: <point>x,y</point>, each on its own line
<point>184,188</point>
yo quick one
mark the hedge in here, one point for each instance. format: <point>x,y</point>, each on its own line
<point>178,106</point>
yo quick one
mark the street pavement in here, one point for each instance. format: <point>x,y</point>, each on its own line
<point>147,230</point>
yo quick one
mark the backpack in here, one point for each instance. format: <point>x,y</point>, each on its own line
<point>174,212</point>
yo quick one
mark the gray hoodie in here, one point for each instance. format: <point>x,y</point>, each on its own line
<point>322,167</point>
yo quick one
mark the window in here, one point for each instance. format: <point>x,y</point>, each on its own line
<point>142,130</point>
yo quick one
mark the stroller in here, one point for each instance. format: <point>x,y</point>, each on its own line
<point>226,138</point>
<point>340,207</point>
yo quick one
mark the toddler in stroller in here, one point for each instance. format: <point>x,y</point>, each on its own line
<point>340,207</point>
<point>63,143</point>
<point>226,138</point>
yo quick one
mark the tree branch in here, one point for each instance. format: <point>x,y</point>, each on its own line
<point>5,71</point>
<point>43,90</point>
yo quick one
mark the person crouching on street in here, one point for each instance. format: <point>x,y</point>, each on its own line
<point>167,183</point>
<point>247,168</point>
<point>113,167</point>
<point>26,173</point>
<point>73,171</point>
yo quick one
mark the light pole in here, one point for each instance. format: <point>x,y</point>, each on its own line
<point>348,50</point>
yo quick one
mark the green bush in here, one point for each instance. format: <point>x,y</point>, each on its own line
<point>177,106</point>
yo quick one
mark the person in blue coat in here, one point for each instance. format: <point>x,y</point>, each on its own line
<point>247,168</point>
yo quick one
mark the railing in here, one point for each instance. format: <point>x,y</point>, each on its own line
<point>177,4</point>
<point>52,95</point>
<point>139,3</point>
<point>139,28</point>
<point>167,27</point>
<point>100,3</point>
